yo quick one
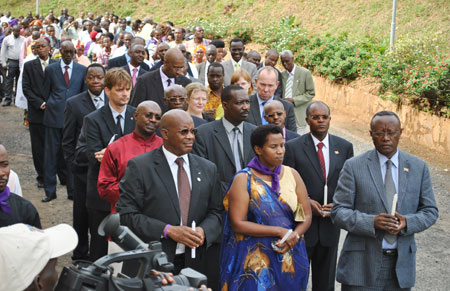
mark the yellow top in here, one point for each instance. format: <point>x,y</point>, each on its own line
<point>287,188</point>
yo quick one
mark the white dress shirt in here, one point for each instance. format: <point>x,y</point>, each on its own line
<point>11,47</point>
<point>69,70</point>
<point>325,150</point>
<point>122,120</point>
<point>164,78</point>
<point>171,158</point>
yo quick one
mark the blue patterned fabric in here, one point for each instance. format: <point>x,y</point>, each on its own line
<point>250,263</point>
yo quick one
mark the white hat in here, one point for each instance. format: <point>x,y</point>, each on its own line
<point>26,250</point>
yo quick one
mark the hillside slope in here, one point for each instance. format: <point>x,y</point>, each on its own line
<point>358,18</point>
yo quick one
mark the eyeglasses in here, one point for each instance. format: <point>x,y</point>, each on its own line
<point>383,133</point>
<point>153,115</point>
<point>276,113</point>
<point>186,131</point>
<point>317,117</point>
<point>175,99</point>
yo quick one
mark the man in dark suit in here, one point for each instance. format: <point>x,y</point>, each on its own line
<point>266,84</point>
<point>226,143</point>
<point>319,158</point>
<point>237,50</point>
<point>124,59</point>
<point>151,86</point>
<point>136,67</point>
<point>271,59</point>
<point>379,252</point>
<point>161,51</point>
<point>77,108</point>
<point>274,113</point>
<point>164,191</point>
<point>65,79</point>
<point>34,90</point>
<point>100,128</point>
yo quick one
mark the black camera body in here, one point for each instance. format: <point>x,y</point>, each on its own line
<point>98,276</point>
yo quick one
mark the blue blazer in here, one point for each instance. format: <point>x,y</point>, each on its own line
<point>360,196</point>
<point>59,91</point>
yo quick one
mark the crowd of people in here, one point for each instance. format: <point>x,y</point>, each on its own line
<point>226,156</point>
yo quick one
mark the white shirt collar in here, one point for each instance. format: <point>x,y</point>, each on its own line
<point>115,113</point>
<point>63,65</point>
<point>132,67</point>
<point>293,71</point>
<point>382,158</point>
<point>229,126</point>
<point>260,101</point>
<point>102,96</point>
<point>171,158</point>
<point>324,141</point>
<point>234,62</point>
<point>164,77</point>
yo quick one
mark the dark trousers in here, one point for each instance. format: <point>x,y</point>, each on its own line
<point>386,280</point>
<point>323,266</point>
<point>37,137</point>
<point>11,78</point>
<point>80,217</point>
<point>55,164</point>
<point>99,244</point>
<point>212,266</point>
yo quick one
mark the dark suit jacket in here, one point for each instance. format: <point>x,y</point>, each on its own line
<point>254,116</point>
<point>198,121</point>
<point>117,62</point>
<point>302,156</point>
<point>59,91</point>
<point>149,87</point>
<point>148,201</point>
<point>211,142</point>
<point>156,66</point>
<point>144,68</point>
<point>291,135</point>
<point>77,107</point>
<point>34,89</point>
<point>99,127</point>
<point>279,92</point>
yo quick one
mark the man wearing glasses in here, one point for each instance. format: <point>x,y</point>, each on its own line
<point>151,86</point>
<point>173,196</point>
<point>382,199</point>
<point>274,113</point>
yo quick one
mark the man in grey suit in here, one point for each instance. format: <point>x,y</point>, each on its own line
<point>211,53</point>
<point>266,84</point>
<point>379,250</point>
<point>226,143</point>
<point>237,49</point>
<point>298,87</point>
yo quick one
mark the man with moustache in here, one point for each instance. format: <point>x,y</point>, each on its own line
<point>274,113</point>
<point>164,191</point>
<point>143,139</point>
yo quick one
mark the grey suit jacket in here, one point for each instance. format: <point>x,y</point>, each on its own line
<point>255,117</point>
<point>302,91</point>
<point>201,68</point>
<point>229,70</point>
<point>360,196</point>
<point>211,142</point>
<point>148,201</point>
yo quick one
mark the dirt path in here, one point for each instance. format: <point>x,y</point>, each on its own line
<point>433,256</point>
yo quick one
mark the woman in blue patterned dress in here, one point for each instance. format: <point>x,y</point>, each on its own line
<point>264,201</point>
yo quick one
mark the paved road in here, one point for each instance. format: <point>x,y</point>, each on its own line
<point>433,255</point>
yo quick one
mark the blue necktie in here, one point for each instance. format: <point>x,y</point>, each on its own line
<point>263,120</point>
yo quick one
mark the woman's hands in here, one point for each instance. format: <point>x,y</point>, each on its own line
<point>290,242</point>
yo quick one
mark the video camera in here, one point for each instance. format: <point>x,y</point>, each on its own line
<point>98,276</point>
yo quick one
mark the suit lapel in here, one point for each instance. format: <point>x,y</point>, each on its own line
<point>373,165</point>
<point>254,109</point>
<point>311,154</point>
<point>332,151</point>
<point>129,121</point>
<point>403,176</point>
<point>60,74</point>
<point>88,103</point>
<point>247,143</point>
<point>38,68</point>
<point>222,139</point>
<point>165,175</point>
<point>197,176</point>
<point>108,118</point>
<point>159,88</point>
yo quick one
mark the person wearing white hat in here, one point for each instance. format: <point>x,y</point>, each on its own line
<point>28,255</point>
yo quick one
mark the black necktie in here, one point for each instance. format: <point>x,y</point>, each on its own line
<point>119,127</point>
<point>169,82</point>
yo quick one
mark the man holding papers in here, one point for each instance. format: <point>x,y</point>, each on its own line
<point>319,157</point>
<point>379,250</point>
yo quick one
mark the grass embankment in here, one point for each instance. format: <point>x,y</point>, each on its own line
<point>340,39</point>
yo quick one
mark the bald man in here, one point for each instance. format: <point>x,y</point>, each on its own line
<point>164,191</point>
<point>274,113</point>
<point>151,86</point>
<point>143,139</point>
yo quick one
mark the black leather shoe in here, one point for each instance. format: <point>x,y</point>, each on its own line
<point>47,199</point>
<point>40,184</point>
<point>7,103</point>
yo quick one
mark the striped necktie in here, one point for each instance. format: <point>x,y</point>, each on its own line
<point>289,84</point>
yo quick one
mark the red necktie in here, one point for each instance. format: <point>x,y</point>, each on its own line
<point>322,159</point>
<point>66,75</point>
<point>184,191</point>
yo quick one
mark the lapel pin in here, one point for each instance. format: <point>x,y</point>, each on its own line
<point>131,118</point>
<point>199,173</point>
<point>198,179</point>
<point>336,152</point>
<point>406,170</point>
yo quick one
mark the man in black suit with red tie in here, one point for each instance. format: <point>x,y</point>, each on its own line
<point>77,108</point>
<point>151,86</point>
<point>35,91</point>
<point>100,127</point>
<point>319,158</point>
